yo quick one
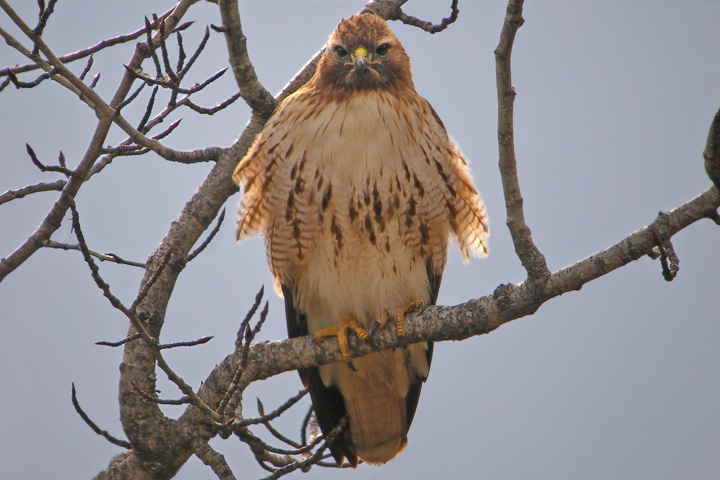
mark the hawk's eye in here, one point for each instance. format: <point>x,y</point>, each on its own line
<point>382,50</point>
<point>341,52</point>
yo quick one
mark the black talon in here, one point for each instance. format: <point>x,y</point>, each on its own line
<point>376,326</point>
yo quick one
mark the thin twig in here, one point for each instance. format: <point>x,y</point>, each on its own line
<point>163,50</point>
<point>87,68</point>
<point>168,130</point>
<point>317,456</point>
<point>209,239</point>
<point>130,314</point>
<point>196,54</point>
<point>275,413</point>
<point>103,257</point>
<point>172,84</point>
<point>118,343</point>
<point>130,98</point>
<point>428,26</point>
<point>191,343</point>
<point>53,219</point>
<point>89,96</point>
<point>306,421</point>
<point>95,428</point>
<point>46,168</point>
<point>87,51</point>
<point>275,433</point>
<point>44,16</point>
<point>30,189</point>
<point>33,83</point>
<point>235,382</point>
<point>211,110</point>
<point>152,47</point>
<point>181,52</point>
<point>148,111</point>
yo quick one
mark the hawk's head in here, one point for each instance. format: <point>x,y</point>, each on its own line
<point>363,54</point>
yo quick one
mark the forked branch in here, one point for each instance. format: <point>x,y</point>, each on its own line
<point>530,256</point>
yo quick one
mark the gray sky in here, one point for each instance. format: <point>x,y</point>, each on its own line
<point>620,380</point>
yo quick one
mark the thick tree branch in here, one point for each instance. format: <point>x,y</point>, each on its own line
<point>478,316</point>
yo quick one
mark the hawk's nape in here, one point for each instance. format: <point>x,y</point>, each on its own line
<point>357,190</point>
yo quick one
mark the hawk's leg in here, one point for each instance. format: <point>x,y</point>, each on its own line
<point>398,317</point>
<point>340,330</point>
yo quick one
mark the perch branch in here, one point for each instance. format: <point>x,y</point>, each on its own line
<point>483,315</point>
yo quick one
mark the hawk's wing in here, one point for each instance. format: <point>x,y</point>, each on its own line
<point>327,401</point>
<point>434,278</point>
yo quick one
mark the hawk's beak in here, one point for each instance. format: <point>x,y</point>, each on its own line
<point>361,62</point>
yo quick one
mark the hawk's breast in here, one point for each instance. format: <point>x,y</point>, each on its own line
<point>364,209</point>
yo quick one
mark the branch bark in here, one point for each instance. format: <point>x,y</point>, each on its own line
<point>527,252</point>
<point>475,317</point>
<point>53,219</point>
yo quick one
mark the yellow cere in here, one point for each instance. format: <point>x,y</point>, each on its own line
<point>360,50</point>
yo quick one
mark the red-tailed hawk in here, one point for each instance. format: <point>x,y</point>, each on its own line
<point>357,189</point>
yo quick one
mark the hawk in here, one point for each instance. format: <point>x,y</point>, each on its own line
<point>357,190</point>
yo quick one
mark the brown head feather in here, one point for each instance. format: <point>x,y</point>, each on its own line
<point>388,65</point>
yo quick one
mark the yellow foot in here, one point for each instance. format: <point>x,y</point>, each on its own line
<point>398,317</point>
<point>340,330</point>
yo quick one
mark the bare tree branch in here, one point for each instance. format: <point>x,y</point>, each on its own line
<point>482,315</point>
<point>712,151</point>
<point>95,428</point>
<point>53,219</point>
<point>428,26</point>
<point>30,189</point>
<point>209,239</point>
<point>110,42</point>
<point>103,257</point>
<point>214,460</point>
<point>529,255</point>
<point>256,96</point>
